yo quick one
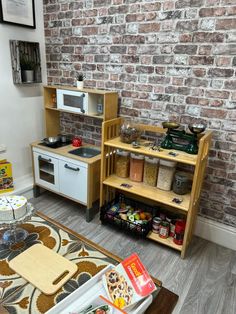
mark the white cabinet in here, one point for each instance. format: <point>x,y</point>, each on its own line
<point>69,177</point>
<point>61,174</point>
<point>73,180</point>
<point>46,170</point>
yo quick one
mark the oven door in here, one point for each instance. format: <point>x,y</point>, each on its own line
<point>72,101</point>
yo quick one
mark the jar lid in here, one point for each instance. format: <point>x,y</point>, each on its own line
<point>182,176</point>
<point>122,152</point>
<point>137,156</point>
<point>152,160</point>
<point>156,219</point>
<point>168,163</point>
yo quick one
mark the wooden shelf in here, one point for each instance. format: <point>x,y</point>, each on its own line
<point>181,156</point>
<point>169,241</point>
<point>86,90</point>
<point>110,182</point>
<point>81,114</point>
<point>153,193</point>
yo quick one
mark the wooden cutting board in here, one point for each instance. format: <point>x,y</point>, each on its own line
<point>45,269</point>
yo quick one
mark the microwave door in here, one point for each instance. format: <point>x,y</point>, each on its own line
<point>72,101</point>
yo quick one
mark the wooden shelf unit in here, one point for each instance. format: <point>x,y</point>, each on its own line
<point>110,183</point>
<point>52,113</point>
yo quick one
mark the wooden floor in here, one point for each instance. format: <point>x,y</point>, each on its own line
<point>205,280</point>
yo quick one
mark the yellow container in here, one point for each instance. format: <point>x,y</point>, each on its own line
<point>6,179</point>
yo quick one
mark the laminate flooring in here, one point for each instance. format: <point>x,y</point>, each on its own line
<point>205,280</point>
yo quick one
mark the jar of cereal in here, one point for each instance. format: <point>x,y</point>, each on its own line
<point>122,164</point>
<point>150,171</point>
<point>166,174</point>
<point>136,167</point>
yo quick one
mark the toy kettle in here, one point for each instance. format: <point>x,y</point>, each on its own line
<point>77,141</point>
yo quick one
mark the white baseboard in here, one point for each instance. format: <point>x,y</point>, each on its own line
<point>216,232</point>
<point>22,186</point>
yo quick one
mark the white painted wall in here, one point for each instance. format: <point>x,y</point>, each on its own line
<point>21,107</point>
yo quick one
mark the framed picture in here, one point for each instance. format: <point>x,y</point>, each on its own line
<point>18,12</point>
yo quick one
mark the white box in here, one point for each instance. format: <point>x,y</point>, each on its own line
<point>82,297</point>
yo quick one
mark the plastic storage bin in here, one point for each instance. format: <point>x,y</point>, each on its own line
<point>136,167</point>
<point>122,164</point>
<point>150,171</point>
<point>166,174</point>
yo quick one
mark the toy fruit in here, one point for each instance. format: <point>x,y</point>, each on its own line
<point>136,216</point>
<point>148,216</point>
<point>142,216</point>
<point>131,217</point>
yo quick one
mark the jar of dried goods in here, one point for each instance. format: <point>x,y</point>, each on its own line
<point>129,133</point>
<point>150,171</point>
<point>181,183</point>
<point>122,164</point>
<point>136,167</point>
<point>166,174</point>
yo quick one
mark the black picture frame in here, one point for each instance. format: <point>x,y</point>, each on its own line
<point>18,12</point>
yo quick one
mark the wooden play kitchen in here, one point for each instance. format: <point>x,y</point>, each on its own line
<point>72,173</point>
<point>185,205</point>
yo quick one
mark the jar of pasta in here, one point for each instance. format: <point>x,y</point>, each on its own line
<point>150,171</point>
<point>122,164</point>
<point>165,174</point>
<point>136,167</point>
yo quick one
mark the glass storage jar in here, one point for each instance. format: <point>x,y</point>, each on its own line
<point>181,183</point>
<point>122,164</point>
<point>136,167</point>
<point>166,174</point>
<point>150,171</point>
<point>129,132</point>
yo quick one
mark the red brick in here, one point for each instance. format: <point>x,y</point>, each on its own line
<point>185,38</point>
<point>205,12</point>
<point>154,6</point>
<point>199,72</point>
<point>204,60</point>
<point>168,5</point>
<point>195,82</point>
<point>223,61</point>
<point>217,94</point>
<point>149,27</point>
<point>189,26</point>
<point>216,103</point>
<point>231,10</point>
<point>219,72</point>
<point>204,37</point>
<point>205,50</point>
<point>177,81</point>
<point>197,101</point>
<point>226,24</point>
<point>230,84</point>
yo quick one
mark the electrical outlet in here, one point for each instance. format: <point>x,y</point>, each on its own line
<point>3,148</point>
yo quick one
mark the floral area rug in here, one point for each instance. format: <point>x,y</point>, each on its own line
<point>17,296</point>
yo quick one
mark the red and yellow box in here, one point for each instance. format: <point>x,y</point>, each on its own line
<point>6,179</point>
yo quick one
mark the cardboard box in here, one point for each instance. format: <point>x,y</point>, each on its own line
<point>128,283</point>
<point>6,179</point>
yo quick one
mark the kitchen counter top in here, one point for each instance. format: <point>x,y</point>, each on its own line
<point>64,151</point>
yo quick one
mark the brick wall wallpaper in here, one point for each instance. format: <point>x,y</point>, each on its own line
<point>168,59</point>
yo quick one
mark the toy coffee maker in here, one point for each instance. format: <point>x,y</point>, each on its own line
<point>179,139</point>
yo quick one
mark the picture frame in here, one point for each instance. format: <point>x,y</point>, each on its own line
<point>18,12</point>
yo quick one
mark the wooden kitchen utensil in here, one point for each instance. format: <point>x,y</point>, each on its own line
<point>44,268</point>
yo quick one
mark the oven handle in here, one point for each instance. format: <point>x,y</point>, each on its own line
<point>71,168</point>
<point>44,159</point>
